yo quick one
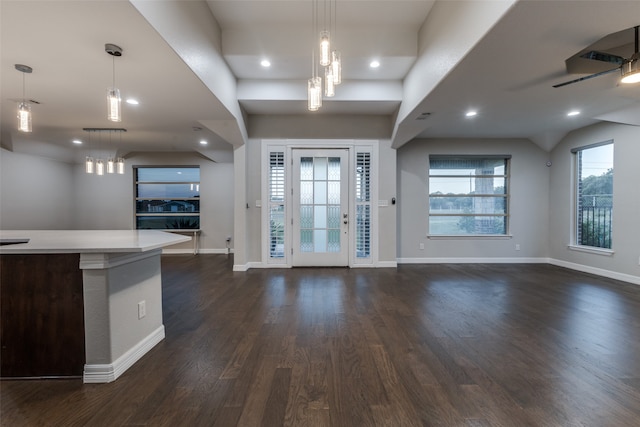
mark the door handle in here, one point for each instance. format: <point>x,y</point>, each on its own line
<point>344,216</point>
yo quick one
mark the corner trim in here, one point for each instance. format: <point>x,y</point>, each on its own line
<point>106,373</point>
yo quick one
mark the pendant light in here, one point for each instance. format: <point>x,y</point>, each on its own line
<point>314,84</point>
<point>24,108</point>
<point>329,82</point>
<point>88,162</point>
<point>114,113</point>
<point>114,164</point>
<point>336,60</point>
<point>631,68</point>
<point>120,160</point>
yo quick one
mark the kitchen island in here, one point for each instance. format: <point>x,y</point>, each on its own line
<point>79,302</point>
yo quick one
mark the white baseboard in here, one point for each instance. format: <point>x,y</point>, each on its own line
<point>106,373</point>
<point>469,260</point>
<point>200,251</point>
<point>597,271</point>
<point>387,264</point>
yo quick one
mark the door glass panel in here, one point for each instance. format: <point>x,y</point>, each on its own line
<point>306,168</point>
<point>333,217</point>
<point>333,244</point>
<point>319,240</point>
<point>333,192</point>
<point>320,168</point>
<point>320,210</point>
<point>320,192</point>
<point>320,217</point>
<point>306,192</point>
<point>306,240</point>
<point>334,169</point>
<point>306,216</point>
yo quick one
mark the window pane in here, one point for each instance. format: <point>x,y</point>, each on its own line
<point>276,232</point>
<point>466,185</point>
<point>164,222</point>
<point>159,206</point>
<point>595,196</point>
<point>173,174</point>
<point>467,205</point>
<point>169,190</point>
<point>460,225</point>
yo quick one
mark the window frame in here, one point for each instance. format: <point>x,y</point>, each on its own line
<point>506,196</point>
<point>576,201</point>
<point>136,198</point>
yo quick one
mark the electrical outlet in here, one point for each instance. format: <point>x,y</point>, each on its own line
<point>517,246</point>
<point>421,246</point>
<point>142,309</point>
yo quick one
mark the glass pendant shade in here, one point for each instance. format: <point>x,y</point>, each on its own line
<point>120,166</point>
<point>314,93</point>
<point>99,167</point>
<point>329,82</point>
<point>325,49</point>
<point>631,70</point>
<point>88,164</point>
<point>336,64</point>
<point>111,165</point>
<point>113,105</point>
<point>24,117</point>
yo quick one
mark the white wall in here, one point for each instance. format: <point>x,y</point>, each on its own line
<point>387,190</point>
<point>529,218</point>
<point>626,202</point>
<point>36,193</point>
<point>55,195</point>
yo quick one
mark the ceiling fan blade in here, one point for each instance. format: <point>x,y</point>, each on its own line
<point>602,73</point>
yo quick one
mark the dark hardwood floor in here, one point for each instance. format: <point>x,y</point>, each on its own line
<point>442,345</point>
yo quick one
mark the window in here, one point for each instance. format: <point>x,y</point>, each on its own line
<point>363,205</point>
<point>468,195</point>
<point>594,194</point>
<point>167,197</point>
<point>276,204</point>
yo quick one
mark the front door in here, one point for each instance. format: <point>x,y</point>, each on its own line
<point>320,207</point>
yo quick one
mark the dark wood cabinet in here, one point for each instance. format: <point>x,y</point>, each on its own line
<point>42,319</point>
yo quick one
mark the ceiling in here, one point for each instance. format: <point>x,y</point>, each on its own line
<point>195,68</point>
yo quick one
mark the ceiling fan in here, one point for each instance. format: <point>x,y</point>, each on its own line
<point>629,67</point>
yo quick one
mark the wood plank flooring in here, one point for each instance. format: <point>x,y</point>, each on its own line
<point>423,345</point>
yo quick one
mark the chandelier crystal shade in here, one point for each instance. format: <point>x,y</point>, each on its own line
<point>314,93</point>
<point>114,102</point>
<point>337,67</point>
<point>24,107</point>
<point>329,83</point>
<point>325,49</point>
<point>24,117</point>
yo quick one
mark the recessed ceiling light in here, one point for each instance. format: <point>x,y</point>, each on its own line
<point>265,63</point>
<point>471,113</point>
<point>77,141</point>
<point>203,142</point>
<point>573,113</point>
<point>132,101</point>
<point>374,64</point>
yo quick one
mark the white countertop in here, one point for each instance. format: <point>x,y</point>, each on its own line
<point>88,241</point>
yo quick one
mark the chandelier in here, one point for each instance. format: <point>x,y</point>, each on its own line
<point>327,58</point>
<point>113,164</point>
